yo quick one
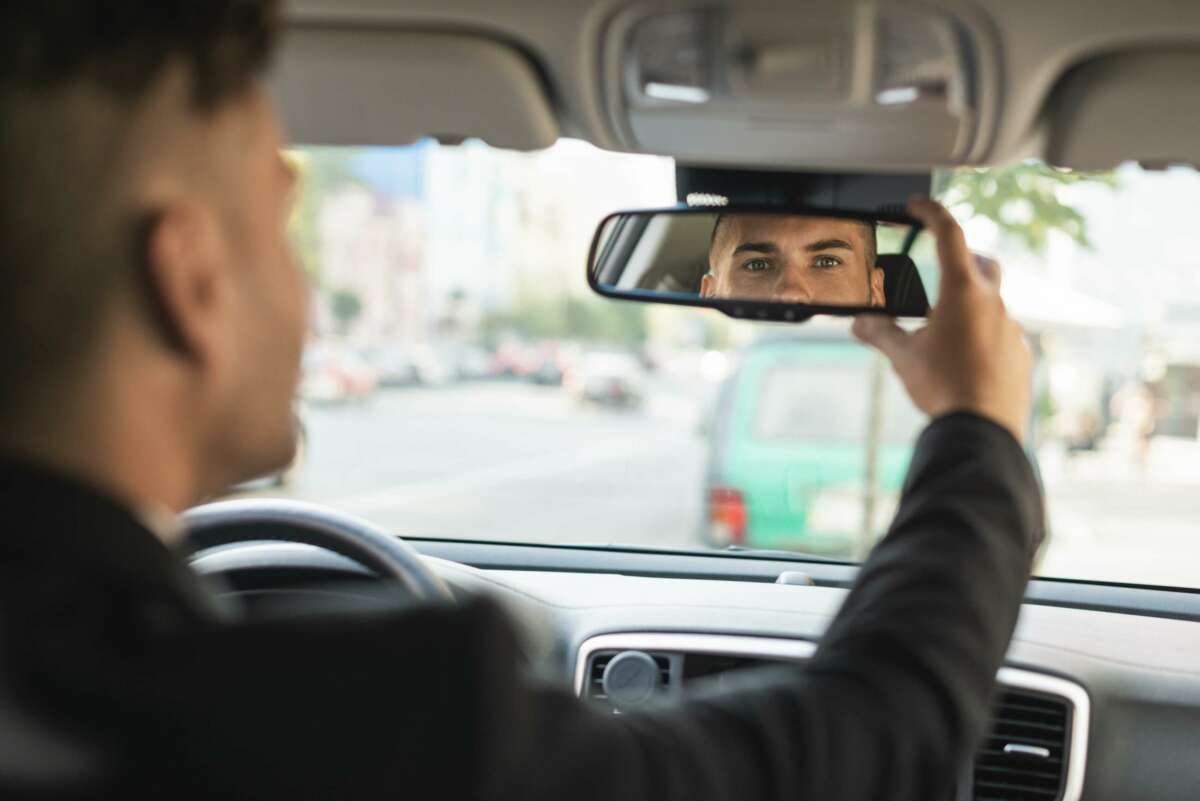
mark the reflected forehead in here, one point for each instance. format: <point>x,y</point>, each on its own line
<point>788,229</point>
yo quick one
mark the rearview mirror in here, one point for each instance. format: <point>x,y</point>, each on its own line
<point>760,263</point>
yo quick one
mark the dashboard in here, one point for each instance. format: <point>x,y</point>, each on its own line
<point>1036,749</point>
<point>1098,698</point>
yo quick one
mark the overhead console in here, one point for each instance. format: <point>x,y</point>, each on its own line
<point>894,86</point>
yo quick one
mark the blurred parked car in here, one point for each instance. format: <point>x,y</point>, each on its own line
<point>607,379</point>
<point>432,368</point>
<point>788,460</point>
<point>334,374</point>
<point>551,362</point>
<point>468,362</point>
<point>514,359</point>
<point>408,365</point>
<point>393,366</point>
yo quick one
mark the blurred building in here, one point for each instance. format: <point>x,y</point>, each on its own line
<point>430,238</point>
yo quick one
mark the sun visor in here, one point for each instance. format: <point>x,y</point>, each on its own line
<point>817,84</point>
<point>352,86</point>
<point>1140,106</point>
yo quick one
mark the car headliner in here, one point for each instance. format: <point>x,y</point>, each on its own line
<point>1081,83</point>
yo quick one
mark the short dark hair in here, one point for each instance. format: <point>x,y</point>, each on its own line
<point>868,235</point>
<point>122,46</point>
<point>72,76</point>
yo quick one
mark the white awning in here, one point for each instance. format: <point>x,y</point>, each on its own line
<point>1040,304</point>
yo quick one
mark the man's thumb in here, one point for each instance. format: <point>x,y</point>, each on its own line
<point>881,333</point>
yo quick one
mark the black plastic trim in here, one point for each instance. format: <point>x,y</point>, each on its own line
<point>846,191</point>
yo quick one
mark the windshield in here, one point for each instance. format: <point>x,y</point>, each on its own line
<point>461,381</point>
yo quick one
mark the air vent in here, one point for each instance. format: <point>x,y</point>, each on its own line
<point>1024,756</point>
<point>1036,750</point>
<point>594,691</point>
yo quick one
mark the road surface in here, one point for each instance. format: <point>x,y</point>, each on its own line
<point>516,462</point>
<point>509,461</point>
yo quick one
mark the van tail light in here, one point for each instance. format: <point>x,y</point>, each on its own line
<point>727,516</point>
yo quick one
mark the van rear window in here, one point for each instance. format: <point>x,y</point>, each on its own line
<point>832,403</point>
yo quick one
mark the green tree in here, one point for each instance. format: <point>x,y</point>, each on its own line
<point>345,306</point>
<point>1024,200</point>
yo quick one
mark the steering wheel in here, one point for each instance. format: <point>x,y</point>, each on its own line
<point>256,519</point>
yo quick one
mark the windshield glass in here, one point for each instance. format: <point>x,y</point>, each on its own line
<point>461,381</point>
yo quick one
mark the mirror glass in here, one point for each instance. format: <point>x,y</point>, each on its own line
<point>761,264</point>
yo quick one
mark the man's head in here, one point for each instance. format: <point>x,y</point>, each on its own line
<point>793,259</point>
<point>143,206</point>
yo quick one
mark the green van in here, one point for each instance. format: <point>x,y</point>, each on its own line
<point>796,434</point>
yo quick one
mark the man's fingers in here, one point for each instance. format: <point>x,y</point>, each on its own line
<point>957,262</point>
<point>881,333</point>
<point>989,268</point>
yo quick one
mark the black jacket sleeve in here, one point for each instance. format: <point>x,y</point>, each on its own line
<point>434,701</point>
<point>894,701</point>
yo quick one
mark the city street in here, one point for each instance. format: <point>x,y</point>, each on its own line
<point>1114,519</point>
<point>509,461</point>
<point>517,462</point>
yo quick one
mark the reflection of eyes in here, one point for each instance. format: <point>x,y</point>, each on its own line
<point>756,265</point>
<point>826,262</point>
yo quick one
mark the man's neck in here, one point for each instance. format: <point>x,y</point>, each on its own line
<point>124,441</point>
<point>146,486</point>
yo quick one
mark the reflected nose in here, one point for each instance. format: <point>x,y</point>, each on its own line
<point>791,287</point>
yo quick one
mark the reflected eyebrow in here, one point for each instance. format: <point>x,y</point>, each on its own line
<point>829,244</point>
<point>756,247</point>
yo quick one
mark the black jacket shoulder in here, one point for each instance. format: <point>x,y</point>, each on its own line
<point>182,704</point>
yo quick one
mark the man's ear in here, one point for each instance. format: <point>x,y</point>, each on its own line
<point>878,292</point>
<point>706,285</point>
<point>182,279</point>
